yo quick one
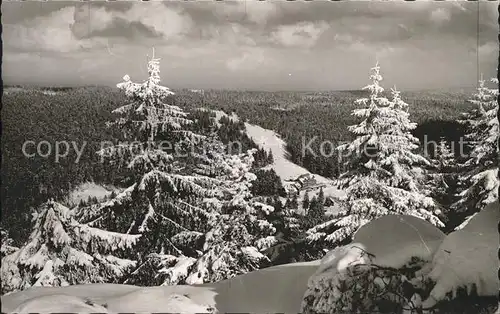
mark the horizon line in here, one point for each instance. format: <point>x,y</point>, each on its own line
<point>38,86</point>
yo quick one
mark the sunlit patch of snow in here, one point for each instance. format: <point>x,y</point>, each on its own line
<point>86,190</point>
<point>48,92</point>
<point>394,239</point>
<point>60,303</point>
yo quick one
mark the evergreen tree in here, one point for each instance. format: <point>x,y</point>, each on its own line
<point>82,203</point>
<point>7,246</point>
<point>479,181</point>
<point>270,157</point>
<point>267,183</point>
<point>233,244</point>
<point>384,175</point>
<point>165,198</point>
<point>316,213</point>
<point>305,202</point>
<point>294,203</point>
<point>321,196</point>
<point>61,251</point>
<point>443,178</point>
<point>444,159</point>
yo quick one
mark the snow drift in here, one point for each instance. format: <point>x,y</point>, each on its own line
<point>276,289</point>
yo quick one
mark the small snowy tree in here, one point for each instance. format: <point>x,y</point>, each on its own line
<point>479,170</point>
<point>61,252</point>
<point>7,247</point>
<point>443,177</point>
<point>384,174</point>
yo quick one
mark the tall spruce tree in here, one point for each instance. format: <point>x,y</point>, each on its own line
<point>384,175</point>
<point>164,200</point>
<point>478,179</point>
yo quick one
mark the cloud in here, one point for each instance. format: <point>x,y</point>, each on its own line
<point>249,60</point>
<point>303,34</point>
<point>489,51</point>
<point>440,16</point>
<point>84,27</point>
<point>170,22</point>
<point>239,44</point>
<point>232,34</point>
<point>88,20</point>
<point>48,33</point>
<point>154,19</point>
<point>259,12</point>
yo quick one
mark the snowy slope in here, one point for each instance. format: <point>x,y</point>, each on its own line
<point>458,261</point>
<point>284,168</point>
<point>275,289</point>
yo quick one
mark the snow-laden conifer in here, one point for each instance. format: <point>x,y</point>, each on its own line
<point>60,252</point>
<point>384,175</point>
<point>235,237</point>
<point>479,168</point>
<point>165,198</point>
<point>235,242</point>
<point>442,178</point>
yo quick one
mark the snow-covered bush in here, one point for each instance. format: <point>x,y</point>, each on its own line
<point>414,271</point>
<point>467,259</point>
<point>363,288</point>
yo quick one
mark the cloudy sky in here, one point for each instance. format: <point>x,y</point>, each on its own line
<point>269,45</point>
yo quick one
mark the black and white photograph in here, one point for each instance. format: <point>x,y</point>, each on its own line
<point>250,157</point>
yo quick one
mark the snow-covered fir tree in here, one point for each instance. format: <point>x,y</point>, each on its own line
<point>444,157</point>
<point>242,231</point>
<point>316,212</point>
<point>178,201</point>
<point>384,174</point>
<point>60,252</point>
<point>164,199</point>
<point>7,246</point>
<point>479,181</point>
<point>238,234</point>
<point>443,176</point>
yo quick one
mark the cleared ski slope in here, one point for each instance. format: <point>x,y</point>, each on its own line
<point>284,168</point>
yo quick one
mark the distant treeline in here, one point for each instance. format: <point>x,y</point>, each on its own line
<point>80,114</point>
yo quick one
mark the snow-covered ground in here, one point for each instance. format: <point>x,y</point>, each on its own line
<point>276,289</point>
<point>86,190</point>
<point>464,258</point>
